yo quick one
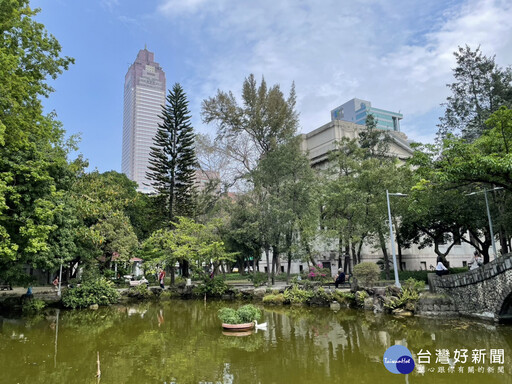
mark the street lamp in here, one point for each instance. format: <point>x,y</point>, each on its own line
<point>397,282</point>
<point>488,215</point>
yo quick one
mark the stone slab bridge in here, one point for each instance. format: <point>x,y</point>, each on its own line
<point>485,292</point>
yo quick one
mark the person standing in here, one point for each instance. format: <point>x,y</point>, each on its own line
<point>476,262</point>
<point>161,277</point>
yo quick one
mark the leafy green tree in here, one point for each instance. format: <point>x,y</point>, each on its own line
<point>32,148</point>
<point>481,87</point>
<point>172,158</point>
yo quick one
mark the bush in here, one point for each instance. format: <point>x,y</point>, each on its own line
<point>33,306</point>
<point>249,313</point>
<point>259,279</point>
<point>246,314</point>
<point>346,298</point>
<point>140,292</point>
<point>212,287</point>
<point>409,295</point>
<point>360,297</point>
<point>274,299</point>
<point>295,295</point>
<point>319,274</point>
<point>98,291</point>
<point>366,273</point>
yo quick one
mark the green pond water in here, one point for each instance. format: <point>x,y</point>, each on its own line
<point>182,342</point>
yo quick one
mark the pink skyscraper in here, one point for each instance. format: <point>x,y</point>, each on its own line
<point>144,96</point>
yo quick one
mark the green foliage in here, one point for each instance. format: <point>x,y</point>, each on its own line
<point>258,279</point>
<point>274,299</point>
<point>366,273</point>
<point>409,295</point>
<point>140,292</point>
<point>360,297</point>
<point>481,87</point>
<point>214,287</point>
<point>347,298</point>
<point>97,291</point>
<point>245,314</point>
<point>249,313</point>
<point>296,295</point>
<point>33,306</point>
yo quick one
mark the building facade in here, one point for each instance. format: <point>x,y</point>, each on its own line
<point>144,96</point>
<point>356,111</point>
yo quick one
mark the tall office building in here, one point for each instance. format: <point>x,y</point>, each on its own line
<point>144,96</point>
<point>356,110</point>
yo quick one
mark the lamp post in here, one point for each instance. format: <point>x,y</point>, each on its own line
<point>488,215</point>
<point>397,282</point>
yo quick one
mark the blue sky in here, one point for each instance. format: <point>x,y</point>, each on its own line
<point>395,53</point>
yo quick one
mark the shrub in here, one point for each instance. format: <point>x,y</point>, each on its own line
<point>249,313</point>
<point>319,273</point>
<point>246,314</point>
<point>212,287</point>
<point>140,292</point>
<point>259,279</point>
<point>360,297</point>
<point>346,298</point>
<point>409,295</point>
<point>275,299</point>
<point>366,273</point>
<point>32,306</point>
<point>98,291</point>
<point>295,295</point>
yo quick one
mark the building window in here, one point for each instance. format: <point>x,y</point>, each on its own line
<point>266,269</point>
<point>301,268</point>
<point>403,266</point>
<point>423,265</point>
<point>464,263</point>
<point>282,268</point>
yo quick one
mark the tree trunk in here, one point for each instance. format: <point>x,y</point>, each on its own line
<point>267,250</point>
<point>173,277</point>
<point>385,254</point>
<point>275,256</point>
<point>310,254</point>
<point>289,267</point>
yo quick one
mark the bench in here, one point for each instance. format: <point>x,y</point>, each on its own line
<point>5,287</point>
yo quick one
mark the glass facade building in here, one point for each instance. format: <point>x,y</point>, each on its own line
<point>144,96</point>
<point>356,111</point>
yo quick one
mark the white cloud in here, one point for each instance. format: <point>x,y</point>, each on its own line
<point>396,54</point>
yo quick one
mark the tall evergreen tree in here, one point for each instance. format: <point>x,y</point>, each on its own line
<point>173,158</point>
<point>481,87</point>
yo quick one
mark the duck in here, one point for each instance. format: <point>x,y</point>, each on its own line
<point>260,326</point>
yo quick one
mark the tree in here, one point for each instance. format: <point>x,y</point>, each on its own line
<point>481,87</point>
<point>258,127</point>
<point>173,159</point>
<point>33,154</point>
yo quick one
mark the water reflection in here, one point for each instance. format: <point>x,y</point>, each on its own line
<point>183,342</point>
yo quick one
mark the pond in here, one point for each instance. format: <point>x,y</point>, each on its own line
<point>182,342</point>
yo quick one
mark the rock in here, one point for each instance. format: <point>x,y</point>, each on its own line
<point>368,304</point>
<point>335,306</point>
<point>401,312</point>
<point>393,290</point>
<point>259,292</point>
<point>94,307</point>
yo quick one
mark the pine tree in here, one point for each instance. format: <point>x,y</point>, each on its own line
<point>173,158</point>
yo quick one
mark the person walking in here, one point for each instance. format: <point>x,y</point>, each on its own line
<point>161,277</point>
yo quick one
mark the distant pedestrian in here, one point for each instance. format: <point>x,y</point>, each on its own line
<point>161,277</point>
<point>476,262</point>
<point>440,268</point>
<point>56,283</point>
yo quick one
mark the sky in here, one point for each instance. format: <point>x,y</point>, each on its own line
<point>398,54</point>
